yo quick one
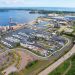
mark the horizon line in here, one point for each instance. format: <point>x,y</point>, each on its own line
<point>36,7</point>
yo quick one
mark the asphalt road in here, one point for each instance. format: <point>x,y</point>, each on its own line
<point>58,62</point>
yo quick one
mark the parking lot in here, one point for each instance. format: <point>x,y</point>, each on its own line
<point>41,43</point>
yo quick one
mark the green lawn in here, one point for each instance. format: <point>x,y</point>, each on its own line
<point>73,28</point>
<point>63,67</point>
<point>72,70</point>
<point>60,69</point>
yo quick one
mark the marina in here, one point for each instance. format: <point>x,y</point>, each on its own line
<point>41,37</point>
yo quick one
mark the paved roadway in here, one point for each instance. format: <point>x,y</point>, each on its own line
<point>58,62</point>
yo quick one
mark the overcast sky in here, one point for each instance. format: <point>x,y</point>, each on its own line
<point>37,3</point>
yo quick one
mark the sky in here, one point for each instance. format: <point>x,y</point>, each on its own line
<point>37,3</point>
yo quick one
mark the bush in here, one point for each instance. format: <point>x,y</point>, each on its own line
<point>73,58</point>
<point>31,63</point>
<point>13,73</point>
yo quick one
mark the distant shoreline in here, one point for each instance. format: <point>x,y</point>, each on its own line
<point>52,9</point>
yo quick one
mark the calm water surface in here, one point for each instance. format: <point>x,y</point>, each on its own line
<point>19,16</point>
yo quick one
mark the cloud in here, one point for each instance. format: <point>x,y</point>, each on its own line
<point>38,3</point>
<point>12,2</point>
<point>19,2</point>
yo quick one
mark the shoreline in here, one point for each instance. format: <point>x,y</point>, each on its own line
<point>17,26</point>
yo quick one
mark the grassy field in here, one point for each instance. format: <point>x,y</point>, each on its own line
<point>73,27</point>
<point>34,69</point>
<point>72,70</point>
<point>60,69</point>
<point>64,66</point>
